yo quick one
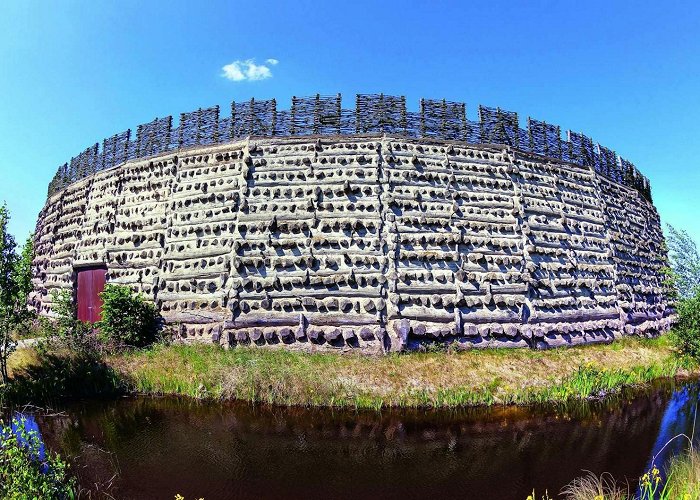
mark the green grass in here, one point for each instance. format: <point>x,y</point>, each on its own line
<point>425,379</point>
<point>432,379</point>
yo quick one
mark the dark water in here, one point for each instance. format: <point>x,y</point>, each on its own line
<point>159,447</point>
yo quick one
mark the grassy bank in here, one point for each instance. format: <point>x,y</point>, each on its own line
<point>432,379</point>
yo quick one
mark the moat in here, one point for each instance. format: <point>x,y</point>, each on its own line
<point>155,448</point>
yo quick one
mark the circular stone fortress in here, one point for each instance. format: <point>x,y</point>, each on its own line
<point>373,228</point>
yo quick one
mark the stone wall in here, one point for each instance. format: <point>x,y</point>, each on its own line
<point>373,242</point>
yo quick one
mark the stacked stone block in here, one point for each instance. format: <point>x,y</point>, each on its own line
<point>637,251</point>
<point>365,242</point>
<point>196,281</point>
<point>570,274</point>
<point>58,234</point>
<point>309,262</point>
<point>135,247</point>
<point>454,244</point>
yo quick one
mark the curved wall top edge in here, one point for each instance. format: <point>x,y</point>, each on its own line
<point>325,116</point>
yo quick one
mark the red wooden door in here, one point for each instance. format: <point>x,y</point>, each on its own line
<point>91,283</point>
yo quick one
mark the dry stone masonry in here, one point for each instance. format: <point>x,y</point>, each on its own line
<point>369,241</point>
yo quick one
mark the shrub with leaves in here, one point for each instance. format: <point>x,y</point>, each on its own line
<point>15,286</point>
<point>64,307</point>
<point>67,331</point>
<point>685,261</point>
<point>687,331</point>
<point>26,469</point>
<point>128,319</point>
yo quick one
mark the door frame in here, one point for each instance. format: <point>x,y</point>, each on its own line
<point>84,266</point>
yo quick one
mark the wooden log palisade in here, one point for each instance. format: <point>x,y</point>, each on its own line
<point>326,236</point>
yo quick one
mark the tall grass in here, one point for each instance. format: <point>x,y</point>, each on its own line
<point>593,487</point>
<point>414,380</point>
<point>429,379</point>
<point>591,381</point>
<point>682,483</point>
<point>683,475</point>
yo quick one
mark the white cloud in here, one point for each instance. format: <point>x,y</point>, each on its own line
<point>233,72</point>
<point>239,71</point>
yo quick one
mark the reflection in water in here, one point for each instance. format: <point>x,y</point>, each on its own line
<point>232,450</point>
<point>679,420</point>
<point>25,429</point>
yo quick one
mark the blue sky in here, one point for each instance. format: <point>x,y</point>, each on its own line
<point>625,73</point>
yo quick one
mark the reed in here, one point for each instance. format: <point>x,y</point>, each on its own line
<point>682,483</point>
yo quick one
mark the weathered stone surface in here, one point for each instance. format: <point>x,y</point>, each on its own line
<point>329,242</point>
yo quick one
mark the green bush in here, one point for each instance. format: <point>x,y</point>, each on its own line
<point>67,331</point>
<point>26,470</point>
<point>127,318</point>
<point>687,331</point>
<point>64,307</point>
